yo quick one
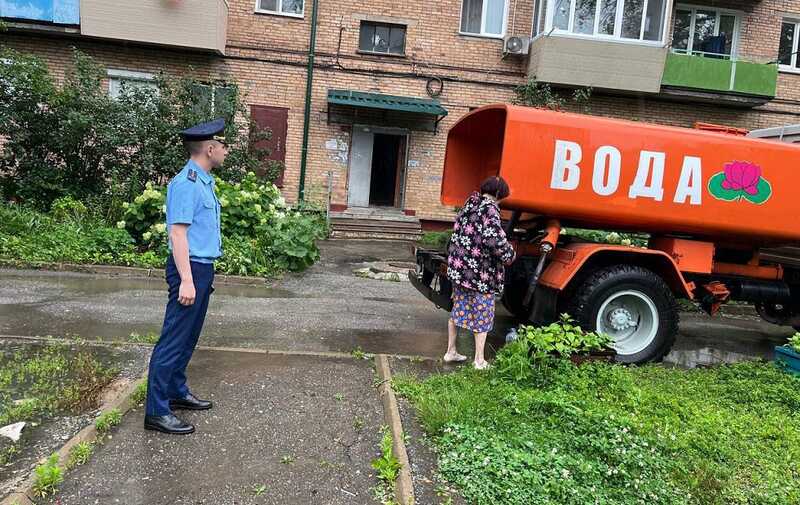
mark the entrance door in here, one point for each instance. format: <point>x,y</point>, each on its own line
<point>360,168</point>
<point>376,168</point>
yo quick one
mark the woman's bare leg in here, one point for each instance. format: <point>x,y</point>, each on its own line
<point>480,343</point>
<point>452,333</point>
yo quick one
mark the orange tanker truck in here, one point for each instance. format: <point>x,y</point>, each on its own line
<point>709,203</point>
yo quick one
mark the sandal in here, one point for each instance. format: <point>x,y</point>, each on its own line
<point>484,365</point>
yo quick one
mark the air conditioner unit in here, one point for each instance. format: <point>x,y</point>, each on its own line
<point>517,45</point>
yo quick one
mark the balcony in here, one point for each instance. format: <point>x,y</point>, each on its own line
<point>196,24</point>
<point>735,82</point>
<point>573,61</point>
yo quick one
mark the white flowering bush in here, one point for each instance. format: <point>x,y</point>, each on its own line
<point>261,234</point>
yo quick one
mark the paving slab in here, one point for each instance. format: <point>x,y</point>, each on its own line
<point>306,428</point>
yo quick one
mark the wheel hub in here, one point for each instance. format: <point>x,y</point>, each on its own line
<point>621,319</point>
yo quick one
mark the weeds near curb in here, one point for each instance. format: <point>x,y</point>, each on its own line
<point>387,465</point>
<point>140,394</point>
<point>108,420</point>
<point>48,476</point>
<point>80,454</point>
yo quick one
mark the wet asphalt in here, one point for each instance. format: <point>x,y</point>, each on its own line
<point>283,430</point>
<point>326,308</point>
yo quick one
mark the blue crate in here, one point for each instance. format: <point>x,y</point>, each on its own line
<point>787,359</point>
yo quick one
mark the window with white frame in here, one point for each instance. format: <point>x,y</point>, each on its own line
<point>117,79</point>
<point>281,7</point>
<point>702,31</point>
<point>788,57</point>
<point>484,17</point>
<point>629,20</point>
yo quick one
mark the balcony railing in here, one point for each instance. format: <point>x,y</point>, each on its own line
<point>722,75</point>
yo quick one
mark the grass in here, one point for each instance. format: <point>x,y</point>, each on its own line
<point>435,239</point>
<point>147,338</point>
<point>80,454</point>
<point>47,477</point>
<point>51,380</point>
<point>30,237</point>
<point>108,420</point>
<point>603,433</point>
<point>140,394</point>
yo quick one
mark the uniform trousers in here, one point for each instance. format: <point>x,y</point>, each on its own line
<point>179,334</point>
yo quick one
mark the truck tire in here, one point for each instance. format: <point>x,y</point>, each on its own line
<point>631,304</point>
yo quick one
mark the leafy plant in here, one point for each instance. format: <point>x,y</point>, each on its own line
<point>794,342</point>
<point>108,420</point>
<point>541,95</point>
<point>47,477</point>
<point>259,489</point>
<point>67,208</point>
<point>80,454</point>
<point>387,465</point>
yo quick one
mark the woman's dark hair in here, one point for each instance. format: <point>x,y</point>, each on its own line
<point>495,186</point>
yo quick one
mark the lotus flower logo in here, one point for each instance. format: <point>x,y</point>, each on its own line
<point>740,180</point>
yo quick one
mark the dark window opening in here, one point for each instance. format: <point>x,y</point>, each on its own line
<point>382,38</point>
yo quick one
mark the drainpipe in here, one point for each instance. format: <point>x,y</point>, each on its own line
<point>312,44</point>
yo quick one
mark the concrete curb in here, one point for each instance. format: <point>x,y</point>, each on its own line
<point>404,485</point>
<point>24,493</point>
<point>131,272</point>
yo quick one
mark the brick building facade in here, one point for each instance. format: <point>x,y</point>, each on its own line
<point>413,48</point>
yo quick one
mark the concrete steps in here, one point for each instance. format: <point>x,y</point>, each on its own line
<point>376,224</point>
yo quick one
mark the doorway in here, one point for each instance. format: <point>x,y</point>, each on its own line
<point>377,168</point>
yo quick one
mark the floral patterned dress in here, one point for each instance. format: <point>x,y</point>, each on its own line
<point>476,255</point>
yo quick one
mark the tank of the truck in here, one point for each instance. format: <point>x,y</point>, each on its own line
<point>605,173</point>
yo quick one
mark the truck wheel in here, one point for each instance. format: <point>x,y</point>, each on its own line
<point>632,305</point>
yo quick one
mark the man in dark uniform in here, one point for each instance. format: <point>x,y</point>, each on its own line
<point>193,221</point>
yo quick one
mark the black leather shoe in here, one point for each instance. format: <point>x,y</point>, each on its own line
<point>190,403</point>
<point>168,424</point>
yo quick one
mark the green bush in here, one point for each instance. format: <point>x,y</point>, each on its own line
<point>524,358</point>
<point>261,235</point>
<point>605,433</point>
<point>76,140</point>
<point>29,236</point>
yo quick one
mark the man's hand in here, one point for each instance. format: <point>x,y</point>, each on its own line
<point>186,293</point>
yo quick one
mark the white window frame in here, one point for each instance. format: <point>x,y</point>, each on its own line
<point>483,32</point>
<point>737,27</point>
<point>126,75</point>
<point>617,37</point>
<point>792,67</point>
<point>279,12</point>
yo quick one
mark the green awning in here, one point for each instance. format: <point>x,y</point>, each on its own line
<point>388,111</point>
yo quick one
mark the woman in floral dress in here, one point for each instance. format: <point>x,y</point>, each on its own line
<point>477,254</point>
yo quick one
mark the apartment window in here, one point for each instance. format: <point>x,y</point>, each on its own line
<point>281,7</point>
<point>705,32</point>
<point>641,20</point>
<point>117,79</point>
<point>382,38</point>
<point>484,17</point>
<point>788,57</point>
<point>214,100</point>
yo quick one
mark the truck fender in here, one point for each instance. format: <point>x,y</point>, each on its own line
<point>574,259</point>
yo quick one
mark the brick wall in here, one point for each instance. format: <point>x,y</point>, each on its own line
<point>266,56</point>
